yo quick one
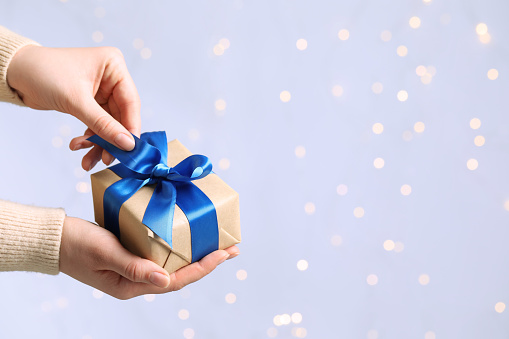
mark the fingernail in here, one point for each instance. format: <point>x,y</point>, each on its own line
<point>92,165</point>
<point>77,147</point>
<point>109,161</point>
<point>125,142</point>
<point>159,279</point>
<point>233,255</point>
<point>226,256</point>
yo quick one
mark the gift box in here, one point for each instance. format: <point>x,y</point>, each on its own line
<point>164,203</point>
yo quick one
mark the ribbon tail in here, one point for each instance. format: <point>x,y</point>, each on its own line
<point>141,160</point>
<point>201,213</point>
<point>159,213</point>
<point>114,197</point>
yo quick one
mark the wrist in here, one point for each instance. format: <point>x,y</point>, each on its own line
<point>64,244</point>
<point>11,43</point>
<point>16,67</point>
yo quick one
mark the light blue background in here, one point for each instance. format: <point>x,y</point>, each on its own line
<point>453,225</point>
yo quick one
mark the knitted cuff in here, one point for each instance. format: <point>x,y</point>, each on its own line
<point>30,238</point>
<point>10,43</point>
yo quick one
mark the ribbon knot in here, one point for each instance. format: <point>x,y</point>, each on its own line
<point>145,165</point>
<point>161,171</point>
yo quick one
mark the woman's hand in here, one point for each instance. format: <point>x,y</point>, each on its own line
<point>94,256</point>
<point>92,84</point>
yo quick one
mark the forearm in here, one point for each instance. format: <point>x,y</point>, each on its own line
<point>10,43</point>
<point>30,238</point>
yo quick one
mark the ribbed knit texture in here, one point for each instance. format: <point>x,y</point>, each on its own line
<point>10,43</point>
<point>30,238</point>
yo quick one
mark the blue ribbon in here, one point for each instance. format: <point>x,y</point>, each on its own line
<point>146,164</point>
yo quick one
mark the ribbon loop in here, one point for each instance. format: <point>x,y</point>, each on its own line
<point>146,165</point>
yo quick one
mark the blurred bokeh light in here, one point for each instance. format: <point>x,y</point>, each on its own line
<point>352,132</point>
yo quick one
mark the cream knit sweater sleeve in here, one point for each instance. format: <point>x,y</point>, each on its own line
<point>29,236</point>
<point>10,43</point>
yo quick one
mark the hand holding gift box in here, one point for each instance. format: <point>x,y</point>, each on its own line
<point>165,204</point>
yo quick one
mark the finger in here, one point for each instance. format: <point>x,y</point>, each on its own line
<point>107,158</point>
<point>233,251</point>
<point>182,277</point>
<point>110,107</point>
<point>91,158</point>
<point>102,98</point>
<point>104,125</point>
<point>88,132</point>
<point>194,272</point>
<point>138,270</point>
<point>80,142</point>
<point>127,100</point>
<point>113,109</point>
<point>118,84</point>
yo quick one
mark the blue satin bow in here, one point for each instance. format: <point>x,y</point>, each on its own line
<point>146,164</point>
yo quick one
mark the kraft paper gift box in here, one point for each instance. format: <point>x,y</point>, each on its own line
<point>140,240</point>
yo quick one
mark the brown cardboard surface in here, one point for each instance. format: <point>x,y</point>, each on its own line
<point>141,241</point>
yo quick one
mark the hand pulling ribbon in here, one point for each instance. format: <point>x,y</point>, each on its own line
<point>146,164</point>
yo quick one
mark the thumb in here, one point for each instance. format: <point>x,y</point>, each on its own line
<point>104,125</point>
<point>137,269</point>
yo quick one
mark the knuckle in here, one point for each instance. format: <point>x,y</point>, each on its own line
<point>116,57</point>
<point>134,271</point>
<point>117,51</point>
<point>114,52</point>
<point>103,124</point>
<point>112,57</point>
